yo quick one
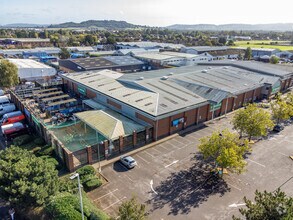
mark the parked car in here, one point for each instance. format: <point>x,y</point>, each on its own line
<point>12,117</point>
<point>128,161</point>
<point>7,108</point>
<point>278,128</point>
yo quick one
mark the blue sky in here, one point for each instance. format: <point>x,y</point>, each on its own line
<point>147,12</point>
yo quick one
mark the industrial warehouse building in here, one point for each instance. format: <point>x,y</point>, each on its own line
<point>119,112</point>
<point>117,63</point>
<point>148,45</point>
<point>30,70</point>
<point>170,100</point>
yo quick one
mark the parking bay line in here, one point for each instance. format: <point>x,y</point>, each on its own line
<point>175,161</point>
<point>156,150</point>
<point>106,194</point>
<point>149,154</point>
<point>256,163</point>
<point>143,159</point>
<point>119,200</point>
<point>234,186</point>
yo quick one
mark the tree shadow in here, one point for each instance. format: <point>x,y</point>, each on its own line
<point>187,189</point>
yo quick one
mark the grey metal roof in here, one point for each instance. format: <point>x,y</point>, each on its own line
<point>282,71</point>
<point>206,48</point>
<point>143,44</point>
<point>123,60</point>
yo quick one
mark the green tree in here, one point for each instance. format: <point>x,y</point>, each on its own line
<point>252,121</point>
<point>26,180</point>
<point>268,206</point>
<point>64,53</point>
<point>248,54</point>
<point>274,59</point>
<point>225,149</point>
<point>131,210</point>
<point>280,110</point>
<point>223,40</point>
<point>230,43</point>
<point>8,74</point>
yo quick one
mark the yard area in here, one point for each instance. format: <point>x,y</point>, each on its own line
<point>282,45</point>
<point>175,183</point>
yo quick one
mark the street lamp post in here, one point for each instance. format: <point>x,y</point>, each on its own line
<point>79,189</point>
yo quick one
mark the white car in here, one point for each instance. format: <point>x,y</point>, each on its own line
<point>128,161</point>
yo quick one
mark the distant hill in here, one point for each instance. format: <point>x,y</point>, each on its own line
<point>23,25</point>
<point>105,24</point>
<point>234,27</point>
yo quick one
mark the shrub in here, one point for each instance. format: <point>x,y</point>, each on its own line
<point>21,140</point>
<point>46,150</point>
<point>51,160</point>
<point>86,170</point>
<point>35,150</point>
<point>92,184</point>
<point>39,141</point>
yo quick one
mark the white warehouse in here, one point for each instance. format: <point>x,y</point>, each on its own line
<point>30,70</point>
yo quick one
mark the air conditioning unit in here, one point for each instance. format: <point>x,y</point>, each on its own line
<point>164,78</point>
<point>170,74</point>
<point>141,78</point>
<point>204,71</point>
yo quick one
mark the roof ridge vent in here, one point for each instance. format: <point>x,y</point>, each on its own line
<point>204,71</point>
<point>164,77</point>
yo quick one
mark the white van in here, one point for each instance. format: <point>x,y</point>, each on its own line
<point>7,108</point>
<point>4,100</point>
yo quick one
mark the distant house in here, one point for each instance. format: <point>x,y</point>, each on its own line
<point>147,45</point>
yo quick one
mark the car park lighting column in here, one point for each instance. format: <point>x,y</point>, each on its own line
<point>79,190</point>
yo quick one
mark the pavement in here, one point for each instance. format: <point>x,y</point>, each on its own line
<point>175,183</point>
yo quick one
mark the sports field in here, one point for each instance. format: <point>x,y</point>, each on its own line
<point>281,45</point>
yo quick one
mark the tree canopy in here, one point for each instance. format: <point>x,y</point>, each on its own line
<point>64,53</point>
<point>132,210</point>
<point>248,54</point>
<point>26,180</point>
<point>268,206</point>
<point>8,74</point>
<point>225,149</point>
<point>252,121</point>
<point>274,59</point>
<point>280,110</point>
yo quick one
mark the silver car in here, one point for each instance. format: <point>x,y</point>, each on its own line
<point>128,161</point>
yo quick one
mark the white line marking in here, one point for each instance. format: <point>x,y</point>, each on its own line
<point>129,178</point>
<point>175,161</point>
<point>234,205</point>
<point>234,186</point>
<point>282,154</point>
<point>143,159</point>
<point>256,162</point>
<point>106,194</point>
<point>164,147</point>
<point>149,154</point>
<point>120,200</point>
<point>151,183</point>
<point>156,150</point>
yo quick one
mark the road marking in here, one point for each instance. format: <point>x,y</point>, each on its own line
<point>234,186</point>
<point>129,178</point>
<point>151,183</point>
<point>156,150</point>
<point>143,159</point>
<point>282,154</point>
<point>106,194</point>
<point>164,147</point>
<point>234,205</point>
<point>149,154</point>
<point>120,200</point>
<point>175,161</point>
<point>256,162</point>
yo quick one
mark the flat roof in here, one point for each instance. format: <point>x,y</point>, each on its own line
<point>165,55</point>
<point>44,90</point>
<point>29,64</point>
<point>28,39</point>
<point>48,94</point>
<point>279,70</point>
<point>109,123</point>
<point>151,44</point>
<point>104,62</point>
<point>55,98</point>
<point>61,102</point>
<point>206,48</point>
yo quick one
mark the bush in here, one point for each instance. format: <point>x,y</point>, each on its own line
<point>65,206</point>
<point>92,184</point>
<point>51,160</point>
<point>35,150</point>
<point>46,150</point>
<point>86,170</point>
<point>21,140</point>
<point>39,141</point>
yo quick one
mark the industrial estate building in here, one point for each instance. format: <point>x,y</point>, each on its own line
<point>147,45</point>
<point>117,63</point>
<point>27,42</point>
<point>30,70</point>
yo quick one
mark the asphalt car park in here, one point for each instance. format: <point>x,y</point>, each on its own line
<point>175,183</point>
